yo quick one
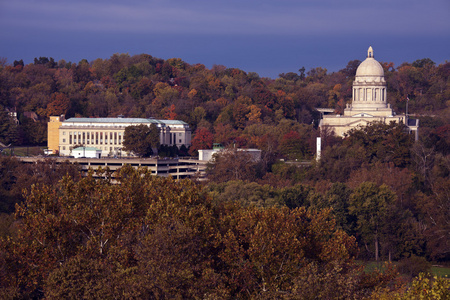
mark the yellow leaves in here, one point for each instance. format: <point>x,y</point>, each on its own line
<point>177,63</point>
<point>170,229</point>
<point>255,114</point>
<point>159,88</point>
<point>275,243</point>
<point>424,287</point>
<point>164,94</point>
<point>90,87</point>
<point>192,93</point>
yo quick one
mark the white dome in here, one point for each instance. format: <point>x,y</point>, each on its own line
<point>370,67</point>
<point>369,87</point>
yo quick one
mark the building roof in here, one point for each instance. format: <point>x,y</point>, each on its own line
<point>124,120</point>
<point>173,122</point>
<point>86,149</point>
<point>110,120</point>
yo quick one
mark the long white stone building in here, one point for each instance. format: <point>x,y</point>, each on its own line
<point>106,134</point>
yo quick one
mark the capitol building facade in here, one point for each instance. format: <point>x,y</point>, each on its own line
<point>369,102</point>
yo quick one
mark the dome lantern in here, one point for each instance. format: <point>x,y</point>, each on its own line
<point>370,52</point>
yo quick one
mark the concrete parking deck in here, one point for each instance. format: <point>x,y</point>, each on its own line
<point>175,167</point>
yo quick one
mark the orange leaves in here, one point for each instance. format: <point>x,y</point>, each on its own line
<point>58,105</point>
<point>254,115</point>
<point>388,67</point>
<point>222,102</point>
<point>170,113</point>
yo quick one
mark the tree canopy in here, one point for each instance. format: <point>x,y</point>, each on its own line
<point>145,86</point>
<point>141,139</point>
<point>150,237</point>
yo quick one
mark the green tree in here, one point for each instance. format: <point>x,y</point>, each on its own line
<point>8,129</point>
<point>370,205</point>
<point>232,164</point>
<point>10,194</point>
<point>337,198</point>
<point>293,146</point>
<point>337,162</point>
<point>383,142</point>
<point>295,196</point>
<point>244,193</point>
<point>141,139</point>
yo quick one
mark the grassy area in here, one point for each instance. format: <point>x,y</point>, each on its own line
<point>25,151</point>
<point>370,266</point>
<point>439,271</point>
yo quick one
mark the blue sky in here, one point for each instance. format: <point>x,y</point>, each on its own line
<point>266,37</point>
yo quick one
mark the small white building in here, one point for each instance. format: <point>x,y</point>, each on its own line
<point>207,154</point>
<point>88,152</point>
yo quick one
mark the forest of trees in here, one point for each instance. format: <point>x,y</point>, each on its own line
<point>232,105</point>
<point>148,237</point>
<point>272,228</point>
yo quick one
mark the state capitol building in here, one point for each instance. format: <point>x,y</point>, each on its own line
<point>369,102</point>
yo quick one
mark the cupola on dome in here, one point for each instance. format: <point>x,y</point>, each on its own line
<point>370,67</point>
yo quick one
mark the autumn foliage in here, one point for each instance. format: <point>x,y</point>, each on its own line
<point>150,237</point>
<point>203,139</point>
<point>286,226</point>
<point>145,86</point>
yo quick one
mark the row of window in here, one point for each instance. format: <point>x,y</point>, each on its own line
<point>100,148</point>
<point>83,132</point>
<point>111,133</point>
<point>105,138</point>
<point>94,138</point>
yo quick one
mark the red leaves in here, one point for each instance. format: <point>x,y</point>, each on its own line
<point>203,139</point>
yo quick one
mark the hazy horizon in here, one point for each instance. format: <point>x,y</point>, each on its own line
<point>265,37</point>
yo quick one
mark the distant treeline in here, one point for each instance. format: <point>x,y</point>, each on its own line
<point>226,103</point>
